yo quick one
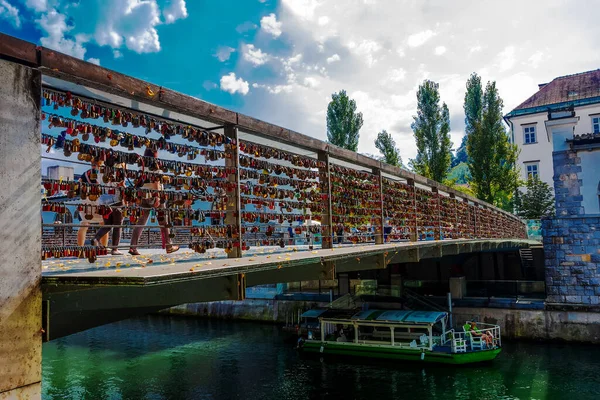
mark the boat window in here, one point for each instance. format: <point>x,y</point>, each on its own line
<point>374,335</point>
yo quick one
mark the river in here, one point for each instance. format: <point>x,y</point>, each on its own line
<point>160,357</point>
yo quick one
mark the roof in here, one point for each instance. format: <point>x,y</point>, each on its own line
<point>415,317</point>
<point>314,313</point>
<point>586,138</point>
<point>564,91</point>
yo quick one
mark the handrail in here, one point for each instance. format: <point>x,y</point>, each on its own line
<point>55,64</point>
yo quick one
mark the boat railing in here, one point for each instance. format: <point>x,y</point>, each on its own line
<point>461,341</point>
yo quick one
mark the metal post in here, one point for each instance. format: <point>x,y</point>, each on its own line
<point>330,296</point>
<point>232,215</point>
<point>450,309</point>
<point>327,230</point>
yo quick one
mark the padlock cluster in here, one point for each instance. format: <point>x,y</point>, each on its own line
<point>184,182</point>
<point>356,204</point>
<point>287,192</point>
<point>399,202</point>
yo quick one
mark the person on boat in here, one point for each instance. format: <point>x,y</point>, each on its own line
<point>342,336</point>
<point>486,336</point>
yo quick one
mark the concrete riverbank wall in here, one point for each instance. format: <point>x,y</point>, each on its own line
<point>542,325</point>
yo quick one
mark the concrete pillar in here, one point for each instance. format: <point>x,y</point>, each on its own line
<point>458,287</point>
<point>343,284</point>
<point>20,247</point>
<point>396,285</point>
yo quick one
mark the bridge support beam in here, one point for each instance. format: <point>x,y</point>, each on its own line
<point>327,218</point>
<point>20,264</point>
<point>233,216</point>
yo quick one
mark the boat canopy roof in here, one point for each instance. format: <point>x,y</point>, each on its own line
<point>314,313</point>
<point>408,316</point>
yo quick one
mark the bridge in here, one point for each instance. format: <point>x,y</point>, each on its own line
<point>236,189</point>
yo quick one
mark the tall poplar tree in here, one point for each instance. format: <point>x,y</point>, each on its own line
<point>343,122</point>
<point>492,158</point>
<point>387,147</point>
<point>431,128</point>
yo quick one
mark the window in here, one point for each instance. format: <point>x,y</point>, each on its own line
<point>532,170</point>
<point>529,134</point>
<point>596,124</point>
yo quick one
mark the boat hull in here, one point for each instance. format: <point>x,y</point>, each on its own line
<point>384,352</point>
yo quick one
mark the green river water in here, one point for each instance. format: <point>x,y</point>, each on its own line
<point>158,357</point>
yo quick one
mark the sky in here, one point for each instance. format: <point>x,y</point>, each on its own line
<point>280,61</point>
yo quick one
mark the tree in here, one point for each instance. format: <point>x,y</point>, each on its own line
<point>536,202</point>
<point>492,159</point>
<point>431,128</point>
<point>343,122</point>
<point>387,146</point>
<point>461,153</point>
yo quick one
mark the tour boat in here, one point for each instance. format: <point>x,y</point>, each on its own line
<point>422,336</point>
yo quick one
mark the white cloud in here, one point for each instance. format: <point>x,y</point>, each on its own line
<point>324,20</point>
<point>224,52</point>
<point>333,59</point>
<point>439,50</point>
<point>37,5</point>
<point>68,26</point>
<point>54,24</point>
<point>270,25</point>
<point>506,59</point>
<point>245,27</point>
<point>175,10</point>
<point>117,54</point>
<point>303,9</point>
<point>254,55</point>
<point>418,39</point>
<point>396,75</point>
<point>365,50</point>
<point>94,61</point>
<point>10,13</point>
<point>536,59</point>
<point>384,62</point>
<point>231,84</point>
<point>311,82</point>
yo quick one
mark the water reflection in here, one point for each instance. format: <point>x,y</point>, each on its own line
<point>172,358</point>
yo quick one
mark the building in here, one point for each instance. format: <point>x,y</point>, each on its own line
<point>577,95</point>
<point>60,172</point>
<point>572,238</point>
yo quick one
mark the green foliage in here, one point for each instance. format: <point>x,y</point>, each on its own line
<point>536,202</point>
<point>492,159</point>
<point>461,153</point>
<point>431,128</point>
<point>343,122</point>
<point>387,146</point>
<point>460,174</point>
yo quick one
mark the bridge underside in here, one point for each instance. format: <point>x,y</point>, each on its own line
<point>77,301</point>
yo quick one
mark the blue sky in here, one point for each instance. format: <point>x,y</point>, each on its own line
<point>280,60</point>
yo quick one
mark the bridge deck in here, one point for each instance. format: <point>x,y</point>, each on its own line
<point>161,268</point>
